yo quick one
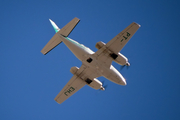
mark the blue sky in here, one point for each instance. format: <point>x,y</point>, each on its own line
<point>29,81</point>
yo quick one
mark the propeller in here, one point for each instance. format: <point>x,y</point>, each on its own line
<point>104,87</point>
<point>127,65</point>
<point>122,67</point>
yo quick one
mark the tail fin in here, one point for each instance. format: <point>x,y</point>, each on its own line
<point>56,39</point>
<point>56,28</point>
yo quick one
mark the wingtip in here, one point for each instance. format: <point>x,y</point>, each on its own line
<point>138,24</point>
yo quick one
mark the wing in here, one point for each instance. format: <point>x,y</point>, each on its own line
<point>76,83</point>
<point>71,87</point>
<point>116,44</point>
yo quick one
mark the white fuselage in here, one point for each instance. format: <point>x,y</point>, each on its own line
<point>83,53</point>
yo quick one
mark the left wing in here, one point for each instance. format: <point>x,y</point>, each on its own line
<point>76,83</point>
<point>71,87</point>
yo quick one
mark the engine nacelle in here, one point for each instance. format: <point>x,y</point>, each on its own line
<point>100,44</point>
<point>120,59</point>
<point>73,70</point>
<point>95,83</point>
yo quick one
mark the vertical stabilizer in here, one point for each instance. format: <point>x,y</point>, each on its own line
<point>56,28</point>
<point>56,39</point>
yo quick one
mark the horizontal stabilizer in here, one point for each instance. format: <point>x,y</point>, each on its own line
<point>66,30</point>
<point>55,40</point>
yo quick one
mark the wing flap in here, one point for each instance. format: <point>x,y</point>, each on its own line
<point>103,56</point>
<point>70,88</point>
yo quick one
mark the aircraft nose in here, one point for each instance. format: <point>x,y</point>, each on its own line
<point>123,82</point>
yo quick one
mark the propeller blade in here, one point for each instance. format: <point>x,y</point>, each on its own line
<point>105,86</point>
<point>122,67</point>
<point>127,66</point>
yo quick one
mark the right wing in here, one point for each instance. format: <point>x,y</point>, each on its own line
<point>120,40</point>
<point>116,44</point>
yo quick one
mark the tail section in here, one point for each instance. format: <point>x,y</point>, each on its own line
<point>56,28</point>
<point>57,38</point>
<point>66,30</point>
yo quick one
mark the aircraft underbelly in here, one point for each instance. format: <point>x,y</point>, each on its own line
<point>113,75</point>
<point>76,49</point>
<point>110,73</point>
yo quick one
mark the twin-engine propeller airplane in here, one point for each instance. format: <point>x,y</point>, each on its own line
<point>94,64</point>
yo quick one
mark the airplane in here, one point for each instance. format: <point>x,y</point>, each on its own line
<point>94,64</point>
